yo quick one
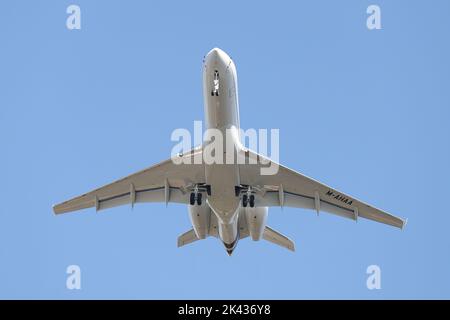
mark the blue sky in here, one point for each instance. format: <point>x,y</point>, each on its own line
<point>366,112</point>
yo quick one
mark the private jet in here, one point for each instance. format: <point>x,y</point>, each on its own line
<point>228,201</point>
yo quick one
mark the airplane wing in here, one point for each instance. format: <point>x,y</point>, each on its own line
<point>164,182</point>
<point>292,189</point>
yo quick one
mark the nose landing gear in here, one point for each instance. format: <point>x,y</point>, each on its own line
<point>215,90</point>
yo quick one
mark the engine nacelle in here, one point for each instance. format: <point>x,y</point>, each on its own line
<point>200,217</point>
<point>256,221</point>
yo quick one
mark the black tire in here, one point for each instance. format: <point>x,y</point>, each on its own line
<point>244,200</point>
<point>252,201</point>
<point>199,199</point>
<point>192,199</point>
<point>212,93</point>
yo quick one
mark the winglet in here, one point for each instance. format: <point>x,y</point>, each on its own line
<point>405,222</point>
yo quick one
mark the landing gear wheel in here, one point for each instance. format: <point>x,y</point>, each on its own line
<point>199,199</point>
<point>192,199</point>
<point>252,201</point>
<point>217,93</point>
<point>244,200</point>
<point>212,93</point>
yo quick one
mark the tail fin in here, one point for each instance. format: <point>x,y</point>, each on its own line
<point>187,237</point>
<point>277,238</point>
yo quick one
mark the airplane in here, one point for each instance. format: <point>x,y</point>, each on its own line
<point>237,195</point>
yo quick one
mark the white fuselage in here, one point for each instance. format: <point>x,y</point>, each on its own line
<point>222,113</point>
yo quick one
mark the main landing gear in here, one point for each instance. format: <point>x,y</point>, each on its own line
<point>248,196</point>
<point>195,197</point>
<point>197,194</point>
<point>248,200</point>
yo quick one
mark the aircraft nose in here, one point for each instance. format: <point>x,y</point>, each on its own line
<point>217,56</point>
<point>214,53</point>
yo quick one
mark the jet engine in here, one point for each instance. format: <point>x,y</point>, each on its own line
<point>200,217</point>
<point>256,221</point>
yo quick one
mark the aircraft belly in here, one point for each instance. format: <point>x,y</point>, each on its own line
<point>223,201</point>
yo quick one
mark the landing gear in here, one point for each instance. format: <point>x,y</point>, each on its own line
<point>248,200</point>
<point>244,200</point>
<point>248,195</point>
<point>196,194</point>
<point>195,197</point>
<point>252,201</point>
<point>215,91</point>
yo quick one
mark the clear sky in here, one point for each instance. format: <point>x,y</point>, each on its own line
<point>365,111</point>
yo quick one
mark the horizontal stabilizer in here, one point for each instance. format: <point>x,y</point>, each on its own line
<point>187,237</point>
<point>277,238</point>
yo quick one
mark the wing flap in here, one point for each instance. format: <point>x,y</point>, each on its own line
<point>271,199</point>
